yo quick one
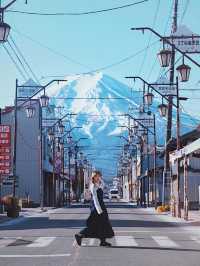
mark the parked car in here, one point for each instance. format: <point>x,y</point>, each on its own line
<point>114,194</point>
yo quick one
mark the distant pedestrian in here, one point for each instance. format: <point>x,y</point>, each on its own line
<point>98,224</point>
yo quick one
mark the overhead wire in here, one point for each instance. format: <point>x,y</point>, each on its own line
<point>18,58</point>
<point>78,13</point>
<point>24,59</point>
<point>50,49</point>
<point>14,62</point>
<point>185,10</point>
<point>150,37</point>
<point>123,60</point>
<point>165,29</point>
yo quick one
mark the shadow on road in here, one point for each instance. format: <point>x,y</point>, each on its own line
<point>46,223</point>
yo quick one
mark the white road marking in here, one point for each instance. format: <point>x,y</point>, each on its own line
<point>84,242</point>
<point>41,242</point>
<point>149,231</point>
<point>92,241</point>
<point>164,241</point>
<point>125,241</point>
<point>196,239</point>
<point>35,256</point>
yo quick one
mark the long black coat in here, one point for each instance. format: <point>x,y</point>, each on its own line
<point>98,225</point>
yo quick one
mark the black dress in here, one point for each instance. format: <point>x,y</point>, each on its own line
<point>98,225</point>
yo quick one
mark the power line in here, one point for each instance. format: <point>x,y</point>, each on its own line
<point>166,26</point>
<point>77,13</point>
<point>15,63</point>
<point>51,49</point>
<point>123,60</point>
<point>185,10</point>
<point>18,58</point>
<point>150,37</point>
<point>25,61</point>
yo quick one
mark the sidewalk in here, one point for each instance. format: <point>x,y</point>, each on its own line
<point>25,214</point>
<point>4,218</point>
<point>194,217</point>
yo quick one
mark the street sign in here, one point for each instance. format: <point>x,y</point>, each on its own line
<point>145,119</point>
<point>5,150</point>
<point>185,40</point>
<point>163,86</point>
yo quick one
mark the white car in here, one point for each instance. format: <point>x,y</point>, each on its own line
<point>114,194</point>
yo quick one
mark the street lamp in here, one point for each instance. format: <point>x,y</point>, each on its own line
<point>164,57</point>
<point>4,31</point>
<point>61,127</point>
<point>184,72</point>
<point>30,111</point>
<point>148,98</point>
<point>44,100</point>
<point>51,135</point>
<point>163,109</point>
<point>61,145</point>
<point>4,27</point>
<point>69,139</point>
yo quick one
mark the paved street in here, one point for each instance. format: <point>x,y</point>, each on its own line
<point>142,238</point>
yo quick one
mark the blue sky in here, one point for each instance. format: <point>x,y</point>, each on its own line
<point>94,41</point>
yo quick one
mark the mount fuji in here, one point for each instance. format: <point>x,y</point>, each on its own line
<point>100,102</point>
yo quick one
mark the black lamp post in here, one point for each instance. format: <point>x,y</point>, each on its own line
<point>30,112</point>
<point>165,55</point>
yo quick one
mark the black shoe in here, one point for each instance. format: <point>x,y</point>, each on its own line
<point>105,244</point>
<point>78,239</point>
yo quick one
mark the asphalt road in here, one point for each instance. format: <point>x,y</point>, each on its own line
<point>142,238</point>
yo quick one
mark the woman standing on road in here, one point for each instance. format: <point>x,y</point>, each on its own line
<point>98,224</point>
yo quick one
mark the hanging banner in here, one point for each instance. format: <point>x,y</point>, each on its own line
<point>5,150</point>
<point>185,40</point>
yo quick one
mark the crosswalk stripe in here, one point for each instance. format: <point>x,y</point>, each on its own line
<point>125,241</point>
<point>196,239</point>
<point>84,242</point>
<point>92,242</point>
<point>41,242</point>
<point>164,241</point>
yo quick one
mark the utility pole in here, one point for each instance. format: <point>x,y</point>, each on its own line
<point>169,116</point>
<point>1,180</point>
<point>54,176</point>
<point>76,173</point>
<point>69,175</point>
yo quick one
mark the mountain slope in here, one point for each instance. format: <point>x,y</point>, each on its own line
<point>100,103</point>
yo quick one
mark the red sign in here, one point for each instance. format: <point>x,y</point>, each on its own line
<point>5,150</point>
